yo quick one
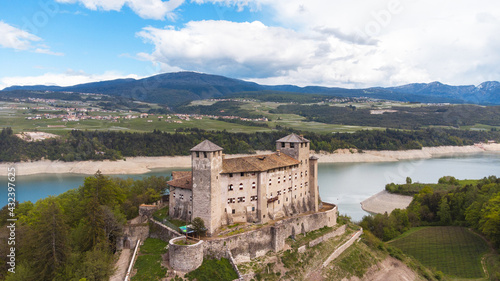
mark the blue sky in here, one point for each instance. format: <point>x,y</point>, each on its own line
<point>355,43</point>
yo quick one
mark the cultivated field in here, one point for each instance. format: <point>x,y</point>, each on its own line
<point>455,251</point>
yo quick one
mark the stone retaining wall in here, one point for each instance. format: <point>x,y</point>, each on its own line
<point>342,248</point>
<point>161,231</point>
<point>337,232</point>
<point>256,243</point>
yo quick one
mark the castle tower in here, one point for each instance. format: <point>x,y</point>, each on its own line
<point>206,164</point>
<point>294,146</point>
<point>313,182</point>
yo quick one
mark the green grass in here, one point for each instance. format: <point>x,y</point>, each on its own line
<point>213,269</point>
<point>153,246</point>
<point>355,261</point>
<point>161,214</point>
<point>148,262</point>
<point>455,251</point>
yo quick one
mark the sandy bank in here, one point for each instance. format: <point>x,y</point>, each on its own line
<point>346,155</point>
<point>141,165</point>
<point>385,202</point>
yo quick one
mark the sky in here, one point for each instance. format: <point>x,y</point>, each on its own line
<point>337,43</point>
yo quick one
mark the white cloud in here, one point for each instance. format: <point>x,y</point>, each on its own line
<point>68,78</point>
<point>147,9</point>
<point>18,39</point>
<point>15,38</point>
<point>341,43</point>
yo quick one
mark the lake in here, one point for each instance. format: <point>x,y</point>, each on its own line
<point>344,184</point>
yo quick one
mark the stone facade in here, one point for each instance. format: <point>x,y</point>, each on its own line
<point>253,189</point>
<point>181,204</point>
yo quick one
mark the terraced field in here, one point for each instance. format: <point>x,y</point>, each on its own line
<point>455,251</point>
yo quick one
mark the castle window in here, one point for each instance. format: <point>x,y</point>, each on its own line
<point>295,196</point>
<point>301,145</point>
<point>242,174</point>
<point>174,194</point>
<point>270,181</point>
<point>300,162</point>
<point>230,175</point>
<point>306,144</point>
<point>295,187</point>
<point>287,199</point>
<point>230,187</point>
<point>215,153</point>
<point>289,189</point>
<point>230,200</point>
<point>306,161</point>
<point>300,185</point>
<point>233,211</point>
<point>241,186</point>
<point>290,177</point>
<point>241,199</point>
<point>278,202</point>
<point>306,184</point>
<point>189,212</point>
<point>253,209</point>
<point>191,198</point>
<point>253,184</point>
<point>301,174</point>
<point>284,190</point>
<point>205,154</point>
<point>253,174</point>
<point>182,196</point>
<point>253,198</point>
<point>282,144</point>
<point>279,179</point>
<point>279,192</point>
<point>295,175</point>
<point>306,172</point>
<point>197,154</point>
<point>292,145</point>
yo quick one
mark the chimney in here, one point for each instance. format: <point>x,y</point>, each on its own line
<point>278,152</point>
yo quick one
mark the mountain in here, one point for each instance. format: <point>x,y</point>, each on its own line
<point>177,88</point>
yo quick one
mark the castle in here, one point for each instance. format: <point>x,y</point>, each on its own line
<point>255,189</point>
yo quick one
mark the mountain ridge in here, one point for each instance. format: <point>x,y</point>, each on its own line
<point>177,88</point>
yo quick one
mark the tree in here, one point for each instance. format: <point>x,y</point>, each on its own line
<point>97,264</point>
<point>198,225</point>
<point>444,213</point>
<point>408,180</point>
<point>49,237</point>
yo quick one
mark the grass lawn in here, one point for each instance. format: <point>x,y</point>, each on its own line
<point>212,269</point>
<point>148,262</point>
<point>455,251</point>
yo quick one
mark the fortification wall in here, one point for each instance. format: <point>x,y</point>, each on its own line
<point>161,231</point>
<point>256,243</point>
<point>185,258</point>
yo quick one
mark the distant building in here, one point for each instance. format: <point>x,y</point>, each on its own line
<point>256,189</point>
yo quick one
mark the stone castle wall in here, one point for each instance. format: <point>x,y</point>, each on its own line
<point>185,258</point>
<point>256,243</point>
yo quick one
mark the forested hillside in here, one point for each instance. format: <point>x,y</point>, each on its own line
<point>73,236</point>
<point>98,145</point>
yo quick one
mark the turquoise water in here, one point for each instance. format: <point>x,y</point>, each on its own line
<point>345,185</point>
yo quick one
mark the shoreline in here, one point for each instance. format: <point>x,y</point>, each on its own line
<point>385,202</point>
<point>141,165</point>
